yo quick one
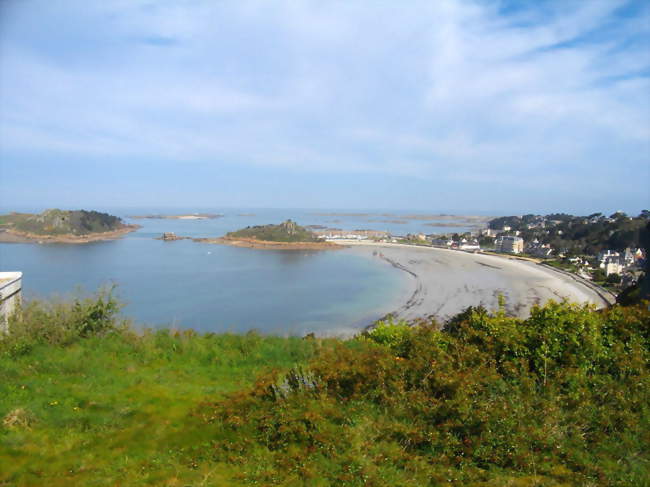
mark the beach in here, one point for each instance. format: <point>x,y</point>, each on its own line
<point>442,283</point>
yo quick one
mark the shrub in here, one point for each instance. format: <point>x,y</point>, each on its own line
<point>560,398</point>
<point>393,335</point>
<point>61,322</point>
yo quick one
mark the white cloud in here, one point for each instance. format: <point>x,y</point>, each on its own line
<point>420,89</point>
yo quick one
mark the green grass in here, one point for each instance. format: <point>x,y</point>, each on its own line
<point>559,399</point>
<point>115,408</point>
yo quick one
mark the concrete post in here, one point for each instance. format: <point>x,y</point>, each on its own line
<point>10,295</point>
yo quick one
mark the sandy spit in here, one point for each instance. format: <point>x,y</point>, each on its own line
<point>442,283</point>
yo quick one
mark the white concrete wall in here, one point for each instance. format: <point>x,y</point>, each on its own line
<point>10,296</point>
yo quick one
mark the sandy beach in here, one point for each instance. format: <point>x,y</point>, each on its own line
<point>443,282</point>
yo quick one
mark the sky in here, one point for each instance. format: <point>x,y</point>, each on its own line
<point>503,107</point>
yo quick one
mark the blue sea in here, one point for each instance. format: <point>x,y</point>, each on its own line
<point>217,288</point>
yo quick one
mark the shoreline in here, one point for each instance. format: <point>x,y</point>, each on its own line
<point>197,216</point>
<point>15,236</point>
<point>269,245</point>
<point>441,282</point>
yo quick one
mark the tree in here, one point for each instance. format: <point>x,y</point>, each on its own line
<point>599,275</point>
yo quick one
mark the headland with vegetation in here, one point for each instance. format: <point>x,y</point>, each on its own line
<point>285,236</point>
<point>62,226</point>
<point>560,398</point>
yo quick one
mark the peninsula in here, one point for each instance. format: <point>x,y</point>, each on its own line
<point>285,236</point>
<point>62,226</point>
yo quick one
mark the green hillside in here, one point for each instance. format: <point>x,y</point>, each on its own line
<point>288,231</point>
<point>559,399</point>
<point>61,222</point>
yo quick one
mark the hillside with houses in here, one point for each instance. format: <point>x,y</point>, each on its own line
<point>609,250</point>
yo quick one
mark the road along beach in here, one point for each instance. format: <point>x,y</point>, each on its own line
<point>444,282</point>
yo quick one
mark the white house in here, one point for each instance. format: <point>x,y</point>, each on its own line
<point>512,245</point>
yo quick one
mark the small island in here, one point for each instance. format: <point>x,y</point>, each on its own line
<point>62,226</point>
<point>285,236</point>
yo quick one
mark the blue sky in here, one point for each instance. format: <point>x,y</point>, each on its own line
<point>449,105</point>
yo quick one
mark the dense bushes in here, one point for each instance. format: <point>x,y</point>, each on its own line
<point>561,398</point>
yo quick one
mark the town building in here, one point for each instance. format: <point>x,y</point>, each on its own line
<point>606,254</point>
<point>613,265</point>
<point>511,245</point>
<point>442,242</point>
<point>489,232</point>
<point>539,250</point>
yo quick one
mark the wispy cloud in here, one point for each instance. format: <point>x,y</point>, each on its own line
<point>450,90</point>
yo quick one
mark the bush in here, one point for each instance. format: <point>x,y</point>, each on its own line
<point>560,398</point>
<point>613,279</point>
<point>61,322</point>
<point>393,335</point>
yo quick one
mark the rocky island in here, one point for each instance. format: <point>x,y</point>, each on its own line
<point>285,236</point>
<point>62,226</point>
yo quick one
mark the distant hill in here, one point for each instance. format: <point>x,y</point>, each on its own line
<point>62,222</point>
<point>289,231</point>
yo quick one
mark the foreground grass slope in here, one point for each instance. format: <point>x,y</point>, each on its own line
<point>86,401</point>
<point>559,399</point>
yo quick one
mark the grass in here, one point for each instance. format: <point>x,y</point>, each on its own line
<point>114,408</point>
<point>559,399</point>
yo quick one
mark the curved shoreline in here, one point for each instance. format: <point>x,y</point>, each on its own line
<point>442,282</point>
<point>15,236</point>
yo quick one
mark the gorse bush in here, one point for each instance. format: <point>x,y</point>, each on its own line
<point>561,398</point>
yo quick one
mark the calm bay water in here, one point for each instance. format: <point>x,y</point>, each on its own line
<point>219,288</point>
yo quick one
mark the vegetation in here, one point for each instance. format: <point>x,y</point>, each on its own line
<point>87,400</point>
<point>62,222</point>
<point>288,231</point>
<point>579,235</point>
<point>561,398</point>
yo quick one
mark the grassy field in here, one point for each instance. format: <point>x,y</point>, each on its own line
<point>560,399</point>
<point>115,408</point>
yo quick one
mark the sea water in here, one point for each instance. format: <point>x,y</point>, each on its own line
<point>185,284</point>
